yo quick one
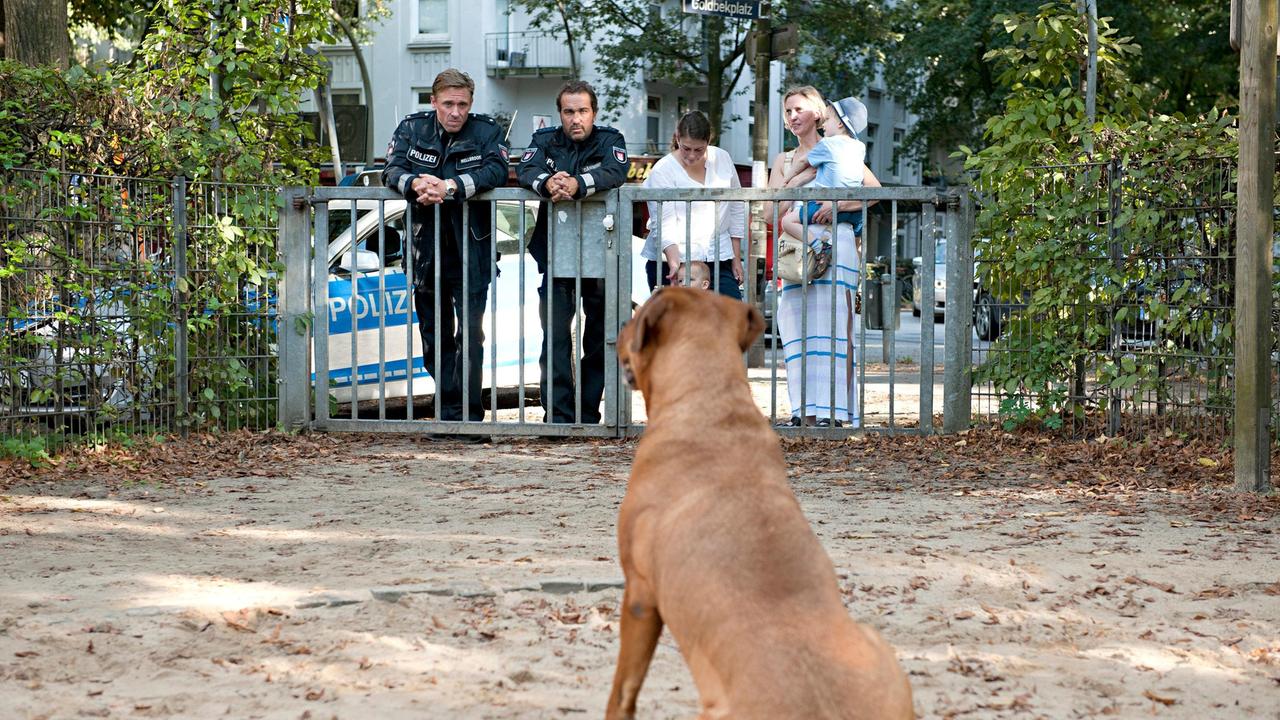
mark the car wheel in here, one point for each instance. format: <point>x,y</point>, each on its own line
<point>986,320</point>
<point>915,311</point>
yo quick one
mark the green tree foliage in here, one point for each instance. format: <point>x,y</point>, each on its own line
<point>1187,61</point>
<point>933,54</point>
<point>85,156</point>
<point>634,37</point>
<point>1090,244</point>
<point>114,16</point>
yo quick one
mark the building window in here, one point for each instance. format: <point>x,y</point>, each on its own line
<point>346,98</point>
<point>348,9</point>
<point>422,99</point>
<point>433,17</point>
<point>653,125</point>
<point>897,163</point>
<point>871,145</point>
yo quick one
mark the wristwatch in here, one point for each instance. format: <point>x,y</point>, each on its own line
<point>450,187</point>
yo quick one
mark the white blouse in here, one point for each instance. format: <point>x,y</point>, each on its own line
<point>709,221</point>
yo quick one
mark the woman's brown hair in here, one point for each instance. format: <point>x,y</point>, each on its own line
<point>693,125</point>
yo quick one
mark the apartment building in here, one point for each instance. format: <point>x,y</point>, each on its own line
<point>518,68</point>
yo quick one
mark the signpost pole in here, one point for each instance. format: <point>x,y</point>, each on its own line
<point>755,246</point>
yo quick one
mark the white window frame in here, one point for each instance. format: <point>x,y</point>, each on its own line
<point>417,104</point>
<point>418,38</point>
<point>653,114</point>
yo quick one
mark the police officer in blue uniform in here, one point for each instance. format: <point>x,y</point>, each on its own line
<point>568,163</point>
<point>438,160</point>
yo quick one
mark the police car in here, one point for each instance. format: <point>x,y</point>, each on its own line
<point>385,347</point>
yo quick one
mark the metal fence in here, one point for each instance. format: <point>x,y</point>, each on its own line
<point>135,304</point>
<point>1137,337</point>
<point>358,319</point>
<point>145,305</point>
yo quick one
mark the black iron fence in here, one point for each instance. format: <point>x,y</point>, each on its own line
<point>135,304</point>
<point>1105,304</point>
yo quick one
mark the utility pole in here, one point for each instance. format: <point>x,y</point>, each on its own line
<point>1091,93</point>
<point>764,32</point>
<point>755,250</point>
<point>1253,245</point>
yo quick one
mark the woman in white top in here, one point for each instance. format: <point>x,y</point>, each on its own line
<point>710,232</point>
<point>815,321</point>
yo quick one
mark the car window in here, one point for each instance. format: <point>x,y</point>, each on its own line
<point>509,224</point>
<point>940,255</point>
<point>340,220</point>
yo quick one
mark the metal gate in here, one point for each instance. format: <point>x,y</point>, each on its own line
<point>351,351</point>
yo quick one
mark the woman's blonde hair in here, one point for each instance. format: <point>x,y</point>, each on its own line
<point>810,94</point>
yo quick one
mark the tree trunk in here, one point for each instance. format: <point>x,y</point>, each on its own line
<point>568,38</point>
<point>36,32</point>
<point>715,74</point>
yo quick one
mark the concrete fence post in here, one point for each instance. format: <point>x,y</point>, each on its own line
<point>293,317</point>
<point>957,382</point>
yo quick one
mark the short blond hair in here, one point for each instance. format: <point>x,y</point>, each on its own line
<point>810,94</point>
<point>695,272</point>
<point>453,78</point>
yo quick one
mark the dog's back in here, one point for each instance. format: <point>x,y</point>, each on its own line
<point>711,532</point>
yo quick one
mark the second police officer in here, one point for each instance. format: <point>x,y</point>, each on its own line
<point>569,163</point>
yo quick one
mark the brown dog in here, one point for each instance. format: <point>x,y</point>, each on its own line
<point>713,543</point>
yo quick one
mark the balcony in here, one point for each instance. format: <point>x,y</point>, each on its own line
<point>531,53</point>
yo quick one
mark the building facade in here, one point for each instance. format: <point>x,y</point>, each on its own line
<point>518,68</point>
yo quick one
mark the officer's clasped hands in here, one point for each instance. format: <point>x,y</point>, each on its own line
<point>430,189</point>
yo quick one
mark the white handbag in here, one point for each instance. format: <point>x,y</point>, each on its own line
<point>800,262</point>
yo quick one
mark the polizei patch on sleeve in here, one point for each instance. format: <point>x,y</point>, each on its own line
<point>620,154</point>
<point>528,154</point>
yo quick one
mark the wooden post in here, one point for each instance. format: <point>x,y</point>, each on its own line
<point>1253,246</point>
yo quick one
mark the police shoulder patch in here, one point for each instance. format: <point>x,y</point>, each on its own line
<point>620,154</point>
<point>528,154</point>
<point>506,156</point>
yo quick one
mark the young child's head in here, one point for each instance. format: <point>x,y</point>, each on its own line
<point>847,116</point>
<point>831,125</point>
<point>695,274</point>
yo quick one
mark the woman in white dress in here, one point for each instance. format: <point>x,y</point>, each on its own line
<point>710,232</point>
<point>815,321</point>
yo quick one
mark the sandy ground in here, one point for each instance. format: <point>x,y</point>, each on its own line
<point>438,580</point>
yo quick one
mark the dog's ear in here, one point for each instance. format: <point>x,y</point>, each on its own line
<point>753,325</point>
<point>646,321</point>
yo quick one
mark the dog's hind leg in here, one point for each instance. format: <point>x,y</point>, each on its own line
<point>641,626</point>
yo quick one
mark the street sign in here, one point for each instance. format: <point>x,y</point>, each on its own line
<point>740,9</point>
<point>782,43</point>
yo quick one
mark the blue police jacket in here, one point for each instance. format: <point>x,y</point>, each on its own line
<point>475,158</point>
<point>598,163</point>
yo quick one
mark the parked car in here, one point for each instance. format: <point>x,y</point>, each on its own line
<point>939,283</point>
<point>383,305</point>
<point>87,362</point>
